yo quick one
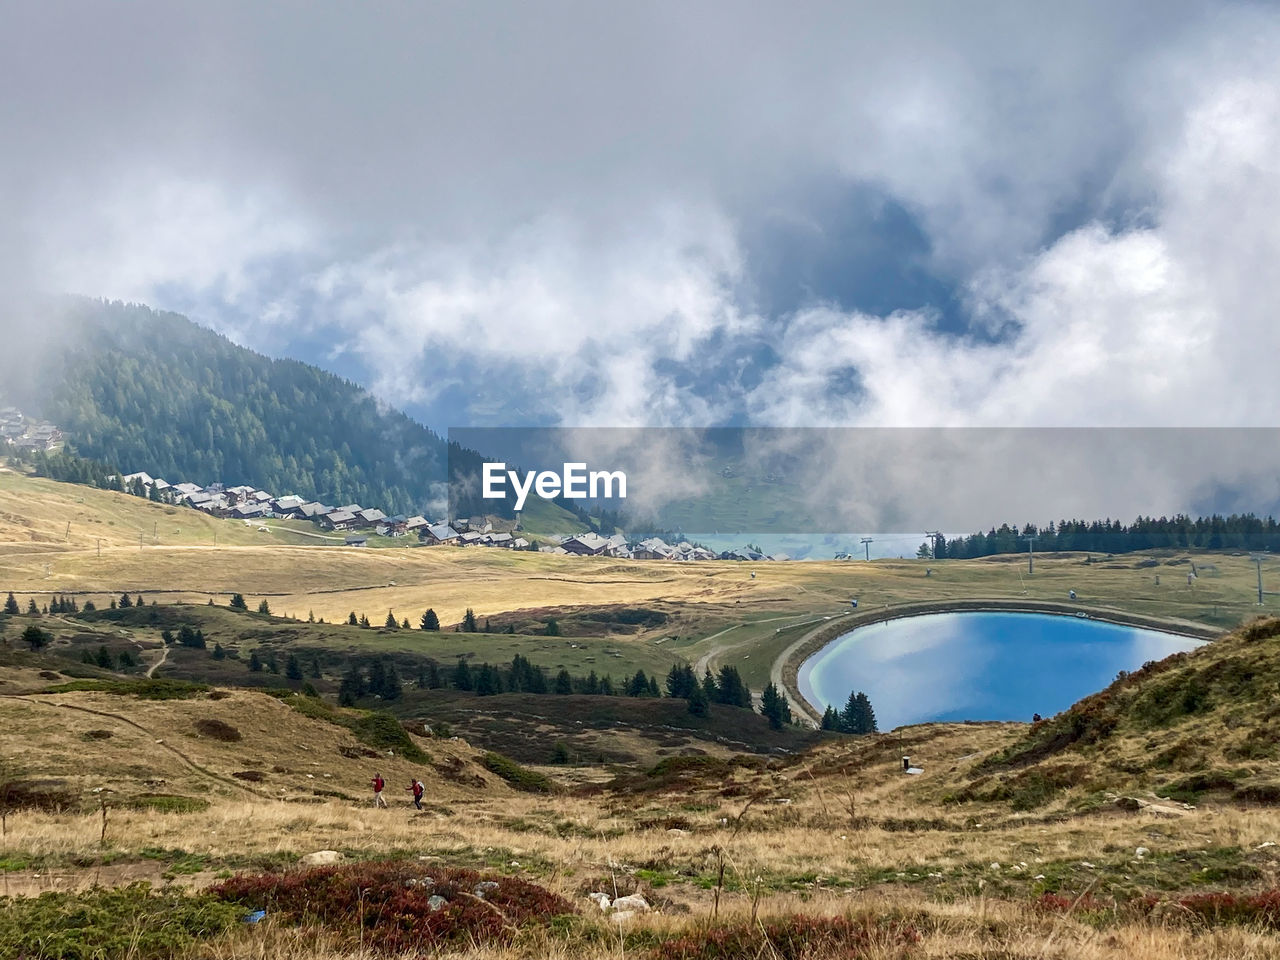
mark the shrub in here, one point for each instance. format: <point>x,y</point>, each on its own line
<point>144,688</point>
<point>384,731</point>
<point>1255,909</point>
<point>129,921</point>
<point>217,729</point>
<point>522,778</point>
<point>797,937</point>
<point>387,906</point>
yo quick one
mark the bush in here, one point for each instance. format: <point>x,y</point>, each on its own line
<point>797,937</point>
<point>218,730</point>
<point>384,731</point>
<point>124,922</point>
<point>530,781</point>
<point>1256,909</point>
<point>146,689</point>
<point>387,906</point>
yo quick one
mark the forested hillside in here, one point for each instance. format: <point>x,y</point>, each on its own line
<point>146,390</point>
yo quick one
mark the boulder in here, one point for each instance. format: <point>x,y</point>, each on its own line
<point>634,903</point>
<point>321,858</point>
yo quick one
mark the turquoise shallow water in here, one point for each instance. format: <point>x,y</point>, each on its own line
<point>978,666</point>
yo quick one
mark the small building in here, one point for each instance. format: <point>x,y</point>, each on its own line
<point>357,540</point>
<point>440,533</point>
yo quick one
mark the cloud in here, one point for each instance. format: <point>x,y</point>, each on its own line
<point>555,214</point>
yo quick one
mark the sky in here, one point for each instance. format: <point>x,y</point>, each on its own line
<point>808,214</point>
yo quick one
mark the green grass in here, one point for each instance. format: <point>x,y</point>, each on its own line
<point>521,778</point>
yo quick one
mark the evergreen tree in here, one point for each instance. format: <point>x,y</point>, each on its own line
<point>103,658</point>
<point>488,682</point>
<point>591,685</point>
<point>90,606</point>
<point>391,623</point>
<point>858,717</point>
<point>606,686</point>
<point>255,662</point>
<point>434,680</point>
<point>264,608</point>
<point>293,669</point>
<point>126,660</point>
<point>654,690</point>
<point>11,604</point>
<point>272,665</point>
<point>564,682</point>
<point>218,652</point>
<point>351,619</point>
<point>430,621</point>
<point>553,629</point>
<point>32,609</point>
<point>166,636</point>
<point>774,707</point>
<point>392,688</point>
<point>462,676</point>
<point>126,601</point>
<point>35,638</point>
<point>830,718</point>
<point>469,621</point>
<point>377,684</point>
<point>237,602</point>
<point>405,624</point>
<point>709,687</point>
<point>351,687</point>
<point>315,668</point>
<point>364,621</point>
<point>699,705</point>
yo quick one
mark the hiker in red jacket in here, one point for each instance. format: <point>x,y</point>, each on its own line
<point>378,783</point>
<point>418,790</point>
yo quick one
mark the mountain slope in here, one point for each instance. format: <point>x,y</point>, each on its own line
<point>147,390</point>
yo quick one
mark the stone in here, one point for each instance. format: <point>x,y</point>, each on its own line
<point>436,902</point>
<point>321,858</point>
<point>1141,852</point>
<point>601,900</point>
<point>1130,804</point>
<point>485,888</point>
<point>634,903</point>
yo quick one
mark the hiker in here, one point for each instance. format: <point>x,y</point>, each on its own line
<point>378,783</point>
<point>418,790</point>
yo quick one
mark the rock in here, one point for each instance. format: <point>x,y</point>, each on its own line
<point>634,903</point>
<point>995,866</point>
<point>436,902</point>
<point>601,900</point>
<point>1265,844</point>
<point>485,888</point>
<point>1131,804</point>
<point>1141,852</point>
<point>321,858</point>
<point>1086,864</point>
<point>677,832</point>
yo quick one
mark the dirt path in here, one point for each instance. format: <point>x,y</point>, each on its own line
<point>712,657</point>
<point>164,655</point>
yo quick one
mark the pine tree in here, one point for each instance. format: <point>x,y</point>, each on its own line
<point>405,624</point>
<point>351,619</point>
<point>218,652</point>
<point>237,602</point>
<point>830,718</point>
<point>469,621</point>
<point>351,687</point>
<point>462,676</point>
<point>430,621</point>
<point>699,705</point>
<point>392,688</point>
<point>564,682</point>
<point>488,682</point>
<point>255,662</point>
<point>103,658</point>
<point>315,668</point>
<point>11,605</point>
<point>364,621</point>
<point>391,623</point>
<point>264,608</point>
<point>34,637</point>
<point>553,629</point>
<point>774,707</point>
<point>293,669</point>
<point>32,609</point>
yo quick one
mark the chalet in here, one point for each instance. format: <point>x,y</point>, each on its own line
<point>586,545</point>
<point>618,546</point>
<point>653,549</point>
<point>238,494</point>
<point>370,517</point>
<point>503,540</point>
<point>519,543</point>
<point>357,540</point>
<point>392,526</point>
<point>246,511</point>
<point>339,520</point>
<point>130,479</point>
<point>186,490</point>
<point>470,539</point>
<point>314,510</point>
<point>439,533</point>
<point>416,524</point>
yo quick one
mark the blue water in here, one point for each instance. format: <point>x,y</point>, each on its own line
<point>978,666</point>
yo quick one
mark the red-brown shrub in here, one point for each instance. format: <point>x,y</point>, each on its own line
<point>797,937</point>
<point>392,902</point>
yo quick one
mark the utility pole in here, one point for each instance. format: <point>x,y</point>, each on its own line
<point>933,536</point>
<point>866,543</point>
<point>1257,559</point>
<point>1031,539</point>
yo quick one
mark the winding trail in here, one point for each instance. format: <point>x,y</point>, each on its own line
<point>164,655</point>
